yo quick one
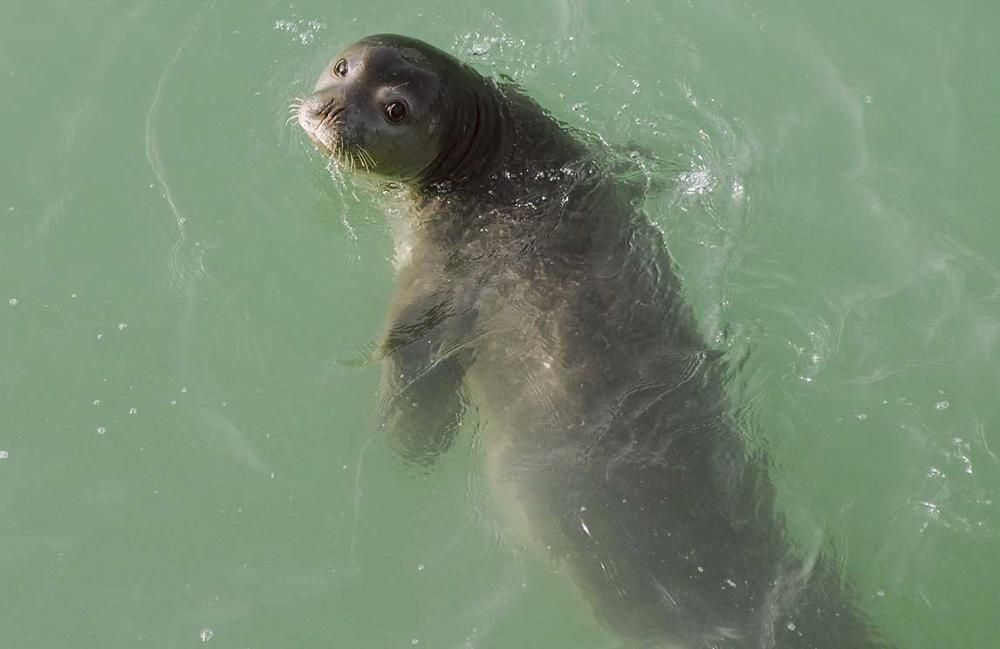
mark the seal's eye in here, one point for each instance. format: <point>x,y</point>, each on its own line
<point>395,111</point>
<point>340,68</point>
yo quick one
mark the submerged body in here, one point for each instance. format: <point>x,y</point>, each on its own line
<point>536,290</point>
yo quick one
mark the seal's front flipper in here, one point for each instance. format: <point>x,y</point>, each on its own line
<point>643,169</point>
<point>422,408</point>
<point>424,362</point>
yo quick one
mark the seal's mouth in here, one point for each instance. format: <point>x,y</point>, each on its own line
<point>321,121</point>
<point>328,113</point>
<point>320,124</point>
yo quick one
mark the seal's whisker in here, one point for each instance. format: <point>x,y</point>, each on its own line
<point>360,157</point>
<point>368,157</point>
<point>338,144</point>
<point>355,159</point>
<point>346,158</point>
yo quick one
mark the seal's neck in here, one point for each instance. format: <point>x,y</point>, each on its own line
<point>476,143</point>
<point>499,139</point>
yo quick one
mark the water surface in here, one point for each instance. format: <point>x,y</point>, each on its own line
<point>186,448</point>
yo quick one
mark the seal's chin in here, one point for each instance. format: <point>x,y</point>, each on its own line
<point>325,142</point>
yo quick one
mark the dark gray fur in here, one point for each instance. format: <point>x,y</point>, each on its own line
<point>539,293</point>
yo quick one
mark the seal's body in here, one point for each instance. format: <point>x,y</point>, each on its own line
<point>537,291</point>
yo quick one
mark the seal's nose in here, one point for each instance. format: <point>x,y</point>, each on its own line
<point>319,109</point>
<point>320,105</point>
<point>329,108</point>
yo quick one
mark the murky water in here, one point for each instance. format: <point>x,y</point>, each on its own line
<point>187,453</point>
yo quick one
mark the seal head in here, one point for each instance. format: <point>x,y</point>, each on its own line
<point>404,110</point>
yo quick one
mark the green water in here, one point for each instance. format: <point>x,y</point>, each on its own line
<point>186,443</point>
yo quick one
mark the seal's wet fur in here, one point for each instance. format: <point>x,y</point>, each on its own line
<point>537,292</point>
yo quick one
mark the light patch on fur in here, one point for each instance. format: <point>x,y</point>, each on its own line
<point>399,219</point>
<point>403,250</point>
<point>507,498</point>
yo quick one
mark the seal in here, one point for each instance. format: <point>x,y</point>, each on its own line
<point>537,293</point>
